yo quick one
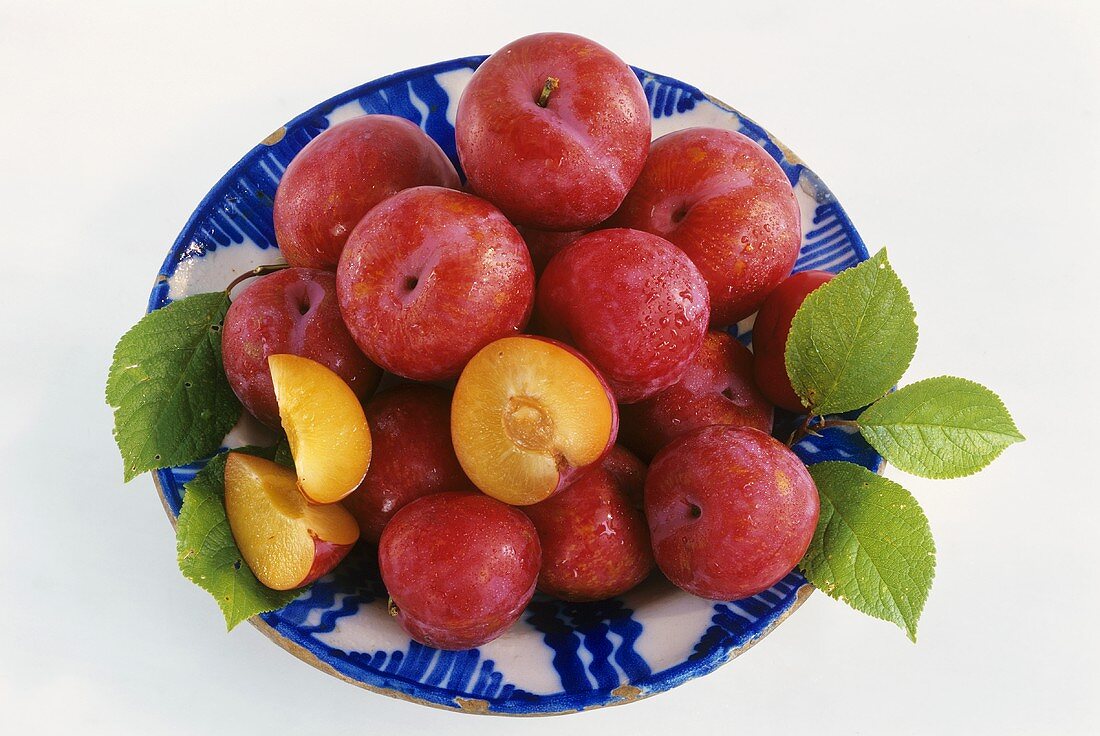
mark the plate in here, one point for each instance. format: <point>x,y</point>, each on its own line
<point>559,657</point>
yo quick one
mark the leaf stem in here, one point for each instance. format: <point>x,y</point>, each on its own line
<point>258,271</point>
<point>824,423</point>
<point>840,423</point>
<point>801,432</point>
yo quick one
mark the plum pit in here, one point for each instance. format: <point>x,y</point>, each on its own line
<point>528,425</point>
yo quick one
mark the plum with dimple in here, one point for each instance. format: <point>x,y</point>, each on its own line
<point>291,311</point>
<point>632,303</point>
<point>731,511</point>
<point>429,277</point>
<point>553,129</point>
<point>459,567</point>
<point>719,197</point>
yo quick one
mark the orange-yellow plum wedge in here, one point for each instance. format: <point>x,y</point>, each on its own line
<point>286,541</point>
<point>528,415</point>
<point>325,425</point>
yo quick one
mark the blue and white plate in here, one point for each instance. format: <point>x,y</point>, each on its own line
<point>559,657</point>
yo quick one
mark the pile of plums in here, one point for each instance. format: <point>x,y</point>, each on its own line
<point>573,295</point>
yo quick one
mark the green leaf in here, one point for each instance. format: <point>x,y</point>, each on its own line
<point>209,557</point>
<point>852,339</point>
<point>872,548</point>
<point>940,427</point>
<point>172,402</point>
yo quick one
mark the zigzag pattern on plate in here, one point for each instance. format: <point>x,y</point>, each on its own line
<point>737,622</point>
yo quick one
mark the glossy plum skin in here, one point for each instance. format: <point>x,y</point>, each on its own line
<point>429,277</point>
<point>344,172</point>
<point>725,202</point>
<point>629,473</point>
<point>731,511</point>
<point>629,301</point>
<point>460,568</point>
<point>326,556</point>
<point>545,244</point>
<point>769,337</point>
<point>595,542</point>
<point>412,456</point>
<point>717,388</point>
<point>291,311</point>
<point>565,166</point>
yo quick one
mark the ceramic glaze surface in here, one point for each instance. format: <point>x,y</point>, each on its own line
<point>560,657</point>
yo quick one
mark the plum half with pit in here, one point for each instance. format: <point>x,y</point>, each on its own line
<point>529,415</point>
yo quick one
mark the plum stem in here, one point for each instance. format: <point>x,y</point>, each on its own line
<point>391,607</point>
<point>258,271</point>
<point>548,88</point>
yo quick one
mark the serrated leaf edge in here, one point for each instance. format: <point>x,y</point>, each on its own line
<point>883,261</point>
<point>128,472</point>
<point>870,436</point>
<point>183,552</point>
<point>911,632</point>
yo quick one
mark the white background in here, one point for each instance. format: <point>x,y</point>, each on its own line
<point>962,135</point>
